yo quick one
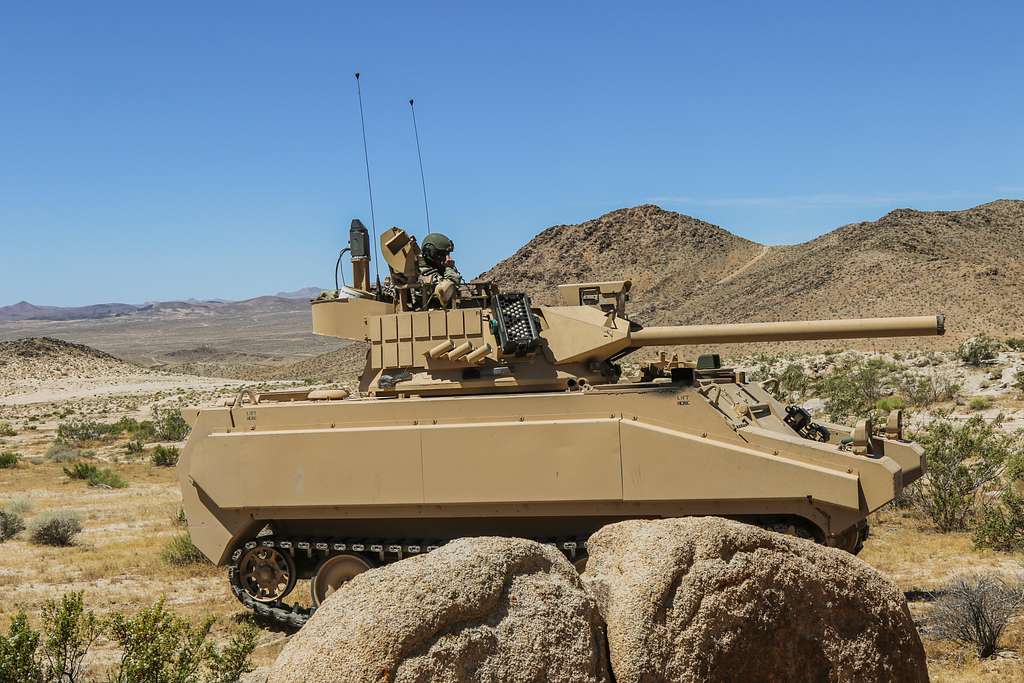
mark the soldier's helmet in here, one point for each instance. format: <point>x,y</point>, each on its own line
<point>436,247</point>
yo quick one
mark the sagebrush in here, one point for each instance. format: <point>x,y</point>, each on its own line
<point>975,611</point>
<point>165,456</point>
<point>11,524</point>
<point>95,476</point>
<point>57,528</point>
<point>180,550</point>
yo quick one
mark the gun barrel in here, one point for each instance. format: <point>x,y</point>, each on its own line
<point>797,330</point>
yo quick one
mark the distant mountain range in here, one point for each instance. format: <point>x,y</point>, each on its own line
<point>282,301</point>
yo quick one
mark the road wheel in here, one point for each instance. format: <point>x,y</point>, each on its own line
<point>334,572</point>
<point>266,574</point>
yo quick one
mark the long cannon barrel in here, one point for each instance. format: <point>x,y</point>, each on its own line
<point>848,328</point>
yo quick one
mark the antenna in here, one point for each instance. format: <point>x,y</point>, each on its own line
<point>369,186</point>
<point>423,180</point>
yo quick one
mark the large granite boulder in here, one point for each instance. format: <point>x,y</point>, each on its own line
<point>476,609</point>
<point>707,599</point>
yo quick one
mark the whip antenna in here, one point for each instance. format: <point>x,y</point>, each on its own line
<point>423,180</point>
<point>369,186</point>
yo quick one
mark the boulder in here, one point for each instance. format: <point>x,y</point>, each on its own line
<point>476,609</point>
<point>708,599</point>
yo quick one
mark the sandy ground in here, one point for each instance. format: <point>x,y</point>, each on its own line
<point>57,391</point>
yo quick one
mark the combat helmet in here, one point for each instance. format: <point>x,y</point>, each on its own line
<point>436,247</point>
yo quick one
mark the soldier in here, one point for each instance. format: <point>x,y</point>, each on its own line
<point>437,268</point>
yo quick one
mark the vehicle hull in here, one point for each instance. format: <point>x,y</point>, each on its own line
<point>555,465</point>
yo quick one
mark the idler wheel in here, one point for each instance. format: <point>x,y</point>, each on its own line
<point>266,574</point>
<point>334,572</point>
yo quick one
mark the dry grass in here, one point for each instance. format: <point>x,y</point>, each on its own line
<point>918,560</point>
<point>116,560</point>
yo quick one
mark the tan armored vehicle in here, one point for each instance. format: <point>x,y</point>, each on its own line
<point>493,416</point>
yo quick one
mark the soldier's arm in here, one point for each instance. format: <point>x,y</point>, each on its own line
<point>452,273</point>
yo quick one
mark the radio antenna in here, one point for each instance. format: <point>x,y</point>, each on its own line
<point>419,154</point>
<point>369,186</point>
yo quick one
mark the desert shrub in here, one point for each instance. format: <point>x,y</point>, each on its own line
<point>77,432</point>
<point>70,630</point>
<point>1015,343</point>
<point>977,350</point>
<point>102,478</point>
<point>159,646</point>
<point>791,384</point>
<point>232,662</point>
<point>8,460</point>
<point>181,551</point>
<point>146,431</point>
<point>1001,523</point>
<point>62,452</point>
<point>165,456</point>
<point>81,470</point>
<point>133,447</point>
<point>127,425</point>
<point>170,425</point>
<point>80,431</point>
<point>55,528</point>
<point>980,402</point>
<point>108,478</point>
<point>974,611</point>
<point>179,518</point>
<point>19,506</point>
<point>855,385</point>
<point>1019,381</point>
<point>889,403</point>
<point>138,430</point>
<point>19,661</point>
<point>156,647</point>
<point>927,389</point>
<point>11,524</point>
<point>7,430</point>
<point>964,460</point>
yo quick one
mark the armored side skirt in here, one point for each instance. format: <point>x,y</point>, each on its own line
<point>534,465</point>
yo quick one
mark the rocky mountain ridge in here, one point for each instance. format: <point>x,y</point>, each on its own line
<point>966,264</point>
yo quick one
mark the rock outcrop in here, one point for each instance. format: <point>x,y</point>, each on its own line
<point>478,609</point>
<point>706,599</point>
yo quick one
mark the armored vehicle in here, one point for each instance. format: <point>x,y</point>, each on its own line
<point>487,415</point>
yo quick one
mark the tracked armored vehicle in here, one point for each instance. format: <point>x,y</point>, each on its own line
<point>492,416</point>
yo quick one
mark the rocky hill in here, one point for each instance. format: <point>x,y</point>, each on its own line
<point>966,264</point>
<point>43,358</point>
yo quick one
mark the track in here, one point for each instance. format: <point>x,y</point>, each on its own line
<point>309,553</point>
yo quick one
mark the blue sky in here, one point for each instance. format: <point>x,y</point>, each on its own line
<point>213,149</point>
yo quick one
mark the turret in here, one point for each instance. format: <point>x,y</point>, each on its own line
<point>490,341</point>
